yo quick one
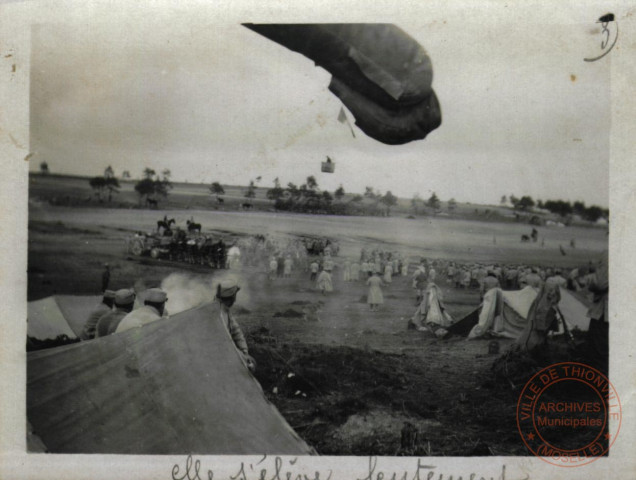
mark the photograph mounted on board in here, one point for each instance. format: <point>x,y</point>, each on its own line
<point>316,239</point>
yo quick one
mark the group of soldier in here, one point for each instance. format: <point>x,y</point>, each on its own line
<point>117,313</point>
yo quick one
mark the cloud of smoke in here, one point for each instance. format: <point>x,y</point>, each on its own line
<point>187,291</point>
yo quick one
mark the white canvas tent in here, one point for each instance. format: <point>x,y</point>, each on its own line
<point>58,315</point>
<point>431,311</point>
<point>505,313</point>
<point>174,386</point>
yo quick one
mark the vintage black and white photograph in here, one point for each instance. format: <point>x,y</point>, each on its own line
<point>309,237</point>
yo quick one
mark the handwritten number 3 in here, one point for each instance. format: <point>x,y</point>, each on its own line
<point>606,32</point>
<point>605,21</point>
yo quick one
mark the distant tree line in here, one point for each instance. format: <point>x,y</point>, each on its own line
<point>432,205</point>
<point>151,187</point>
<point>309,198</point>
<point>562,208</point>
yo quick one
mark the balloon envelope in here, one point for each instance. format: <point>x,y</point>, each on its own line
<point>381,74</point>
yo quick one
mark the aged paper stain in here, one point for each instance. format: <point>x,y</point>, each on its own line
<point>15,142</point>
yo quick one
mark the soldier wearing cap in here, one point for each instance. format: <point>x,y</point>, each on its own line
<point>420,280</point>
<point>558,278</point>
<point>226,295</point>
<point>533,279</point>
<point>102,309</point>
<point>153,309</point>
<point>124,302</point>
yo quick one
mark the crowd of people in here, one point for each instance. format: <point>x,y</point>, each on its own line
<point>260,251</point>
<point>375,268</point>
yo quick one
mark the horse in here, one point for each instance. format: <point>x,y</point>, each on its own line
<point>535,235</point>
<point>177,245</point>
<point>193,227</point>
<point>525,238</point>
<point>165,224</point>
<point>246,206</point>
<point>219,200</point>
<point>152,202</point>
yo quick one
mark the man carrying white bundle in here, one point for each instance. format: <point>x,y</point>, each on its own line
<point>153,310</point>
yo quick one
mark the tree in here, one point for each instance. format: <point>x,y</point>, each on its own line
<point>312,184</point>
<point>593,213</point>
<point>339,193</point>
<point>452,205</point>
<point>293,191</point>
<point>145,188</point>
<point>559,207</point>
<point>579,208</point>
<point>389,200</point>
<point>112,185</point>
<point>44,168</point>
<point>162,187</point>
<point>368,192</point>
<point>504,200</point>
<point>98,184</point>
<point>251,191</point>
<point>525,203</point>
<point>151,185</point>
<point>275,193</point>
<point>217,189</point>
<point>125,174</point>
<point>109,172</point>
<point>433,202</point>
<point>148,173</point>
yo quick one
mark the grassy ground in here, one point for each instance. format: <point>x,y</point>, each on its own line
<point>349,380</point>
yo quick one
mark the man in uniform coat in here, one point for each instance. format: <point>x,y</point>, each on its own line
<point>102,309</point>
<point>153,309</point>
<point>124,302</point>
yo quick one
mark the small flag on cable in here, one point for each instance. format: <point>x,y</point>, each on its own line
<point>342,118</point>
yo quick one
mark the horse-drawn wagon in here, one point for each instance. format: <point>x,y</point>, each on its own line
<point>180,247</point>
<point>153,245</point>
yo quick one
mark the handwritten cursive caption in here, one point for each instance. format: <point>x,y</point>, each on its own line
<point>275,468</point>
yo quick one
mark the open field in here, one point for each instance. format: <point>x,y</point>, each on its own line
<point>358,376</point>
<point>76,191</point>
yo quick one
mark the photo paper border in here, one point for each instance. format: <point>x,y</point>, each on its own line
<point>16,19</point>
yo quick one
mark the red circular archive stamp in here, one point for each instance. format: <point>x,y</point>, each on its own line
<point>569,414</point>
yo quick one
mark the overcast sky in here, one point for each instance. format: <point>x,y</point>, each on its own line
<point>522,112</point>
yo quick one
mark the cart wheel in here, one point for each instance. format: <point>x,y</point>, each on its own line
<point>137,248</point>
<point>154,253</point>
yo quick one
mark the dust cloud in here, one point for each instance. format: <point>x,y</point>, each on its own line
<point>189,291</point>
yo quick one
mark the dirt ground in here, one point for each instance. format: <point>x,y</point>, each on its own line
<point>348,380</point>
